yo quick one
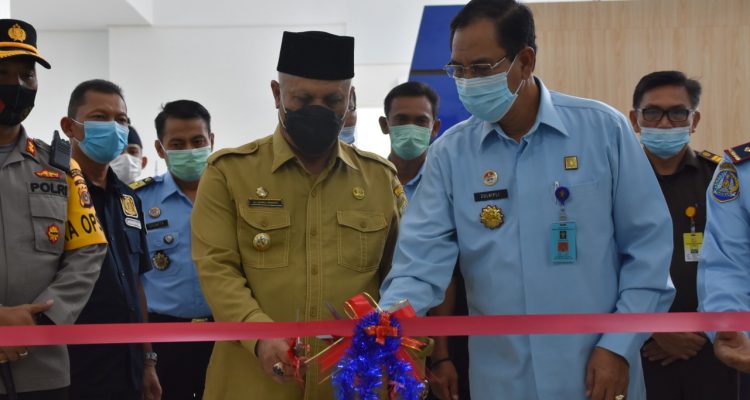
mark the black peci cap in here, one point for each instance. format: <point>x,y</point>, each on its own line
<point>317,55</point>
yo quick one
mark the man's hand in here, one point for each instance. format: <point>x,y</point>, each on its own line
<point>606,375</point>
<point>733,349</point>
<point>275,351</point>
<point>23,315</point>
<point>669,347</point>
<point>151,386</point>
<point>444,381</point>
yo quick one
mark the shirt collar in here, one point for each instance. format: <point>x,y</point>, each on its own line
<point>282,152</point>
<point>169,186</point>
<point>26,145</point>
<point>415,180</point>
<point>547,115</point>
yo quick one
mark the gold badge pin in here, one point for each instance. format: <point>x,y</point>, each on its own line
<point>17,33</point>
<point>154,212</point>
<point>489,178</point>
<point>160,260</point>
<point>492,217</point>
<point>571,163</point>
<point>261,192</point>
<point>128,206</point>
<point>358,193</point>
<point>262,242</point>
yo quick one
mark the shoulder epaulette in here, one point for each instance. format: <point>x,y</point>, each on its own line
<point>249,148</point>
<point>40,144</point>
<point>714,158</point>
<point>739,154</point>
<point>142,183</point>
<point>373,156</point>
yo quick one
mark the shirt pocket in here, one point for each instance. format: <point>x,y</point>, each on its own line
<point>157,244</point>
<point>134,240</point>
<point>361,238</point>
<point>48,214</point>
<point>264,238</point>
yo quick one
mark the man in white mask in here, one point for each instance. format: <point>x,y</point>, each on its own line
<point>129,165</point>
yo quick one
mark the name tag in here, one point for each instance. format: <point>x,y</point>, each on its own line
<point>266,203</point>
<point>563,242</point>
<point>133,222</point>
<point>158,224</point>
<point>491,195</point>
<point>692,244</point>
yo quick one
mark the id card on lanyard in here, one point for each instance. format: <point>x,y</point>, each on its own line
<point>563,233</point>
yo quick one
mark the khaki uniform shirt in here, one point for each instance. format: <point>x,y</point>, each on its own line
<point>328,238</point>
<point>51,248</point>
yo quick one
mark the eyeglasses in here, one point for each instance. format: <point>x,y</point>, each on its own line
<point>459,71</point>
<point>674,114</point>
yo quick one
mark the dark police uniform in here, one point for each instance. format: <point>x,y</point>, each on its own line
<point>703,376</point>
<point>114,371</point>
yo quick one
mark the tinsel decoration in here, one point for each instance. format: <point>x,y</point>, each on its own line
<point>374,357</point>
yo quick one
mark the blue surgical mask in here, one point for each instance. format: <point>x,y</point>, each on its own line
<point>665,143</point>
<point>103,141</point>
<point>488,97</point>
<point>347,135</point>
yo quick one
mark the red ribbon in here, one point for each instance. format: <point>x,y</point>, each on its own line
<point>425,326</point>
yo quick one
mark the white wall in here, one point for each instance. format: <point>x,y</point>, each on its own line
<point>75,57</point>
<point>222,53</point>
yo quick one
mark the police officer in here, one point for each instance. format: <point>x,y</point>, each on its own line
<point>174,294</point>
<point>665,113</point>
<point>97,123</point>
<point>50,238</point>
<point>285,224</point>
<point>723,276</point>
<point>548,201</point>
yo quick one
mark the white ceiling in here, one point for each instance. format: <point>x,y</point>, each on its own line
<point>82,14</point>
<point>102,14</point>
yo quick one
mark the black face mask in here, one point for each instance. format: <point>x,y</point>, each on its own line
<point>16,103</point>
<point>313,129</point>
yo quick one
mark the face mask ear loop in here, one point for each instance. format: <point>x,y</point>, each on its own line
<point>281,120</point>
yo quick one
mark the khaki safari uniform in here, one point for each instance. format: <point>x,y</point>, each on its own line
<point>51,248</point>
<point>272,243</point>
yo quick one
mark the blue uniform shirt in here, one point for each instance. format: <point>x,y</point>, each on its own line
<point>723,273</point>
<point>114,367</point>
<point>173,290</point>
<point>411,186</point>
<point>624,240</point>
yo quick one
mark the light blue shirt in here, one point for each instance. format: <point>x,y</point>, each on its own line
<point>624,242</point>
<point>176,290</point>
<point>411,186</point>
<point>723,271</point>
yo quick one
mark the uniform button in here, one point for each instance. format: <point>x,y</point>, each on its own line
<point>122,274</point>
<point>313,312</point>
<point>314,193</point>
<point>313,232</point>
<point>314,270</point>
<point>363,224</point>
<point>264,223</point>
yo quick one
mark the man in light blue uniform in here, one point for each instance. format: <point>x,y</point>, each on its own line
<point>550,206</point>
<point>723,272</point>
<point>172,288</point>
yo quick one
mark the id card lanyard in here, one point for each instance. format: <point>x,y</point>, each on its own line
<point>693,241</point>
<point>562,233</point>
